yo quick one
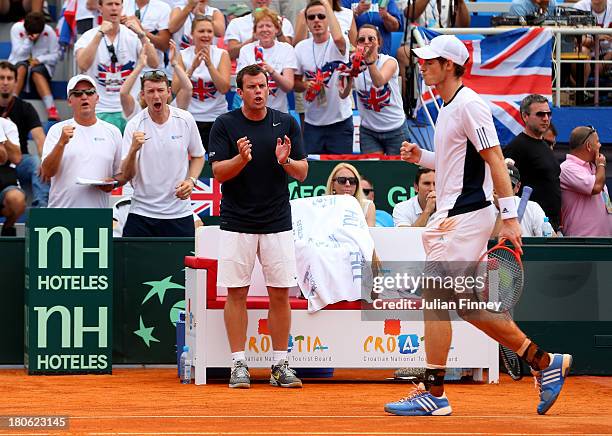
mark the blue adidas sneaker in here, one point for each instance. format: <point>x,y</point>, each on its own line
<point>550,380</point>
<point>420,403</point>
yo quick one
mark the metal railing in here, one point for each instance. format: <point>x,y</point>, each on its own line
<point>558,32</point>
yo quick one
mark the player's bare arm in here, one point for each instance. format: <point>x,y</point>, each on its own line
<point>510,227</point>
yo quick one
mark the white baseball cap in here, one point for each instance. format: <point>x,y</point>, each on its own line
<point>444,46</point>
<point>72,83</point>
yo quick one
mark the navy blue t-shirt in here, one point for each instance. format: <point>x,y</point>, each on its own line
<point>257,199</point>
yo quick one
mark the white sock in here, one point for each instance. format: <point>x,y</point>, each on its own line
<point>279,355</point>
<point>238,355</point>
<point>48,101</point>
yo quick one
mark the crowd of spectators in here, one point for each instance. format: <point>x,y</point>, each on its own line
<point>332,55</point>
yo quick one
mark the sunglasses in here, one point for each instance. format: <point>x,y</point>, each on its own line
<point>113,54</point>
<point>367,191</point>
<point>137,13</point>
<point>542,114</point>
<point>80,92</point>
<point>362,39</point>
<point>311,17</point>
<point>342,180</point>
<point>591,131</point>
<point>153,75</point>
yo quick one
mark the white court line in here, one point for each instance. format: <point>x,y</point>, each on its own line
<point>354,433</point>
<point>324,416</point>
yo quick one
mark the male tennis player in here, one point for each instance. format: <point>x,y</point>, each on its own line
<point>469,164</point>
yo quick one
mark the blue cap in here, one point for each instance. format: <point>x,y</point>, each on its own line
<point>185,347</point>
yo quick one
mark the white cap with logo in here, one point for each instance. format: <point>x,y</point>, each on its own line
<point>444,46</point>
<point>72,83</point>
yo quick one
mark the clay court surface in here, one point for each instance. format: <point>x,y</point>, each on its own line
<point>151,401</point>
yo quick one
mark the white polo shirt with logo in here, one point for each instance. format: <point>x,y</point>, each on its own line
<point>94,153</point>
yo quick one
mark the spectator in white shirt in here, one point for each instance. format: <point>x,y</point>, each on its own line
<point>417,211</point>
<point>328,126</point>
<point>209,69</point>
<point>345,18</point>
<point>533,218</point>
<point>35,51</point>
<point>108,54</point>
<point>163,158</point>
<point>182,16</point>
<point>277,58</point>
<point>150,17</point>
<point>383,125</point>
<point>239,31</point>
<point>83,147</point>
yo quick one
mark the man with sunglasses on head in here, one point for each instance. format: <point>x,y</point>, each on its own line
<point>539,167</point>
<point>163,157</point>
<point>83,147</point>
<point>586,209</point>
<point>108,53</point>
<point>328,126</point>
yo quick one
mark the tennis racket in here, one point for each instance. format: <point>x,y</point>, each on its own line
<point>509,358</point>
<point>503,269</point>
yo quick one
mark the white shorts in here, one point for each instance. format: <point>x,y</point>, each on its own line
<point>276,253</point>
<point>460,238</point>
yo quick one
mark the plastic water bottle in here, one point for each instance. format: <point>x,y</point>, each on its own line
<point>185,366</point>
<point>547,230</point>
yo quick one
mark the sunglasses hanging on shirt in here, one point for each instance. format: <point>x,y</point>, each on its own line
<point>113,54</point>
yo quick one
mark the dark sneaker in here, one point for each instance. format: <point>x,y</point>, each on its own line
<point>240,377</point>
<point>283,376</point>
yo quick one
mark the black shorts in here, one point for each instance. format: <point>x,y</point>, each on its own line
<point>204,127</point>
<point>40,68</point>
<point>143,226</point>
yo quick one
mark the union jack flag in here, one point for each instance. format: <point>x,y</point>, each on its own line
<point>106,71</point>
<point>206,197</point>
<point>203,90</point>
<point>376,99</point>
<point>273,87</point>
<point>323,74</point>
<point>503,69</point>
<point>186,41</point>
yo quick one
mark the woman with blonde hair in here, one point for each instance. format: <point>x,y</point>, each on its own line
<point>346,180</point>
<point>209,71</point>
<point>182,16</point>
<point>276,57</point>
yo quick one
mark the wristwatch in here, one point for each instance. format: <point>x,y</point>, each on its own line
<point>193,180</point>
<point>287,162</point>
